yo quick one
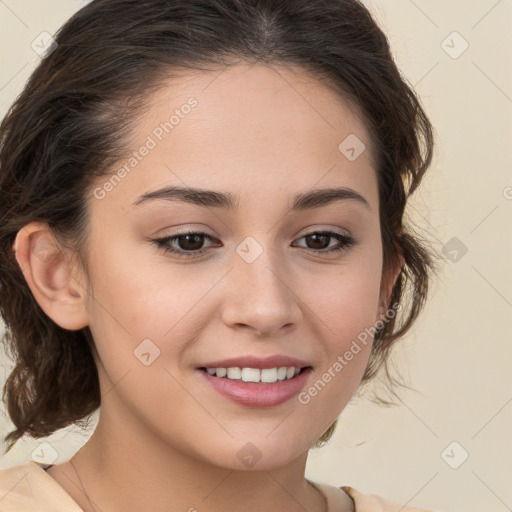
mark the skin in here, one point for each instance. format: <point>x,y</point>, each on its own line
<point>165,441</point>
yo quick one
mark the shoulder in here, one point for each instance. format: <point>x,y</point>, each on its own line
<point>17,487</point>
<point>28,488</point>
<point>373,503</point>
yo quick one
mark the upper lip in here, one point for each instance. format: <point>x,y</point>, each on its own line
<point>275,361</point>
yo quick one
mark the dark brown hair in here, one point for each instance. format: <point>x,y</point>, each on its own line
<point>70,125</point>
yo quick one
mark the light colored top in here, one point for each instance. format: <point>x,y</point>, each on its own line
<point>29,488</point>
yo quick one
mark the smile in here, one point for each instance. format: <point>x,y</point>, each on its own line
<point>254,387</point>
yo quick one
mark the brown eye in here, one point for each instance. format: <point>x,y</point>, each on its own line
<point>187,244</point>
<point>191,242</point>
<point>319,241</point>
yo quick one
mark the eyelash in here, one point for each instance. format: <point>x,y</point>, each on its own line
<point>163,243</point>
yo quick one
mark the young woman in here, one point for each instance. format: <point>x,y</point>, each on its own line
<point>201,234</point>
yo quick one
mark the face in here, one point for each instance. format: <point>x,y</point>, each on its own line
<point>259,278</point>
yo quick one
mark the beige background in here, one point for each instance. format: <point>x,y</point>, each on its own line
<point>458,355</point>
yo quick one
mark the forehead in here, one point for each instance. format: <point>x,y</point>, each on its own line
<point>248,128</point>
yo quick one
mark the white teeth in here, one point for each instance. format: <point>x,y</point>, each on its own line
<point>268,375</point>
<point>281,373</point>
<point>234,373</point>
<point>250,375</point>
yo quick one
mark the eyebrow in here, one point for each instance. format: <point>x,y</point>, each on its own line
<point>315,198</point>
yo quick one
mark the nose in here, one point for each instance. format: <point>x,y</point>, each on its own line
<point>261,295</point>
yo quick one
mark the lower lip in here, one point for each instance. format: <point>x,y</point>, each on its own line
<point>257,394</point>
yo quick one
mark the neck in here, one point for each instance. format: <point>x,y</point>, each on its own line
<point>119,472</point>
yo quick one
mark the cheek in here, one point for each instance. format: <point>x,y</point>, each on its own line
<point>134,295</point>
<point>347,316</point>
<point>345,330</point>
<point>146,311</point>
<point>345,299</point>
<point>345,305</point>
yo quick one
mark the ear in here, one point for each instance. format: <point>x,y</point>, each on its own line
<point>49,274</point>
<point>388,281</point>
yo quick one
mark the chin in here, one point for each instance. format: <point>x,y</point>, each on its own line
<point>263,454</point>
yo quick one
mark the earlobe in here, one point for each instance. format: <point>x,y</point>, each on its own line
<point>48,273</point>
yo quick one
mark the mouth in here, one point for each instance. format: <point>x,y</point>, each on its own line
<point>256,387</point>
